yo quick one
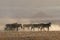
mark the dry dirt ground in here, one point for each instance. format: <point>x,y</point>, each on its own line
<point>30,35</point>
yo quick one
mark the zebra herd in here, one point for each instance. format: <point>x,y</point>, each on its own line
<point>14,26</point>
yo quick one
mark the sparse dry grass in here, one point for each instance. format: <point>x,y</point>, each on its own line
<point>30,35</point>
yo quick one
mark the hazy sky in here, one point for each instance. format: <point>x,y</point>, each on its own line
<point>10,9</point>
<point>29,8</point>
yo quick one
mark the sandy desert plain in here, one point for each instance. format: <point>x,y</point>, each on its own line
<point>30,35</point>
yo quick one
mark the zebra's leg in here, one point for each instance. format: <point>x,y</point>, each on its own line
<point>9,29</point>
<point>48,28</point>
<point>38,28</point>
<point>23,28</point>
<point>41,28</point>
<point>17,28</point>
<point>5,29</point>
<point>31,28</point>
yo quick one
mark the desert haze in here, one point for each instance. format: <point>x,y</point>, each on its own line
<point>54,27</point>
